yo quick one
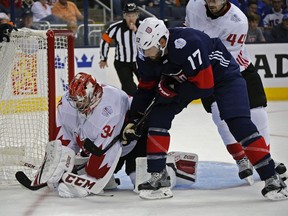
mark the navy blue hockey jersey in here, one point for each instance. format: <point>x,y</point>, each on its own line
<point>199,63</point>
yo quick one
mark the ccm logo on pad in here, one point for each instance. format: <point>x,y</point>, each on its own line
<point>77,180</point>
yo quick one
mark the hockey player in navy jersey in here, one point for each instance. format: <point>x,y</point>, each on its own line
<point>222,19</point>
<point>177,67</point>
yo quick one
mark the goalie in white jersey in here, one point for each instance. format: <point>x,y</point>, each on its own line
<point>92,113</point>
<point>222,19</point>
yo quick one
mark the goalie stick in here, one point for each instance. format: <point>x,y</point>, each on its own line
<point>23,179</point>
<point>93,149</point>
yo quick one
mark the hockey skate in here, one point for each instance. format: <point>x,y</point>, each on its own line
<point>281,169</point>
<point>275,188</point>
<point>157,187</point>
<point>245,170</point>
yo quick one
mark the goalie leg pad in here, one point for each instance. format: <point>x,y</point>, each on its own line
<point>184,165</point>
<point>57,160</point>
<point>67,191</point>
<point>70,191</point>
<point>86,182</point>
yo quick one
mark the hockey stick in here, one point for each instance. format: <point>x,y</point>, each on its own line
<point>93,149</point>
<point>23,179</point>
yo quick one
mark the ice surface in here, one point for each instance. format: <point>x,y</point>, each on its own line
<point>217,192</point>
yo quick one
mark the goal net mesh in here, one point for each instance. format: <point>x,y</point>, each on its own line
<point>24,99</point>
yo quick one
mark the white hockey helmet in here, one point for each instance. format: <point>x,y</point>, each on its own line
<point>150,31</point>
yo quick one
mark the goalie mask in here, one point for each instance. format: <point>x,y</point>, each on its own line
<point>84,93</point>
<point>148,35</point>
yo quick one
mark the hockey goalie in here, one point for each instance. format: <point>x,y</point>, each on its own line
<point>89,117</point>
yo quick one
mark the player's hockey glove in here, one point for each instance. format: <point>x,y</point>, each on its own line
<point>5,30</point>
<point>129,134</point>
<point>129,131</point>
<point>166,90</point>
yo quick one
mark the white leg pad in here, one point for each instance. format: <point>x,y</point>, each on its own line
<point>57,160</point>
<point>68,191</point>
<point>184,165</point>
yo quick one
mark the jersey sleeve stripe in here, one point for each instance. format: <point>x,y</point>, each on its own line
<point>147,85</point>
<point>204,79</point>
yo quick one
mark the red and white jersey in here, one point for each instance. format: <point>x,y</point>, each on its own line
<point>231,28</point>
<point>101,126</point>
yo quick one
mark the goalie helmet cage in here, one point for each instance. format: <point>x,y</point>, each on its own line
<point>36,67</point>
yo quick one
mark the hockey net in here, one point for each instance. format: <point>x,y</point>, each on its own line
<point>35,69</point>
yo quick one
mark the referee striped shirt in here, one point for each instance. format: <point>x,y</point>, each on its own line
<point>125,50</point>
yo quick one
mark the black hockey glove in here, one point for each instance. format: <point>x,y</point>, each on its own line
<point>166,90</point>
<point>5,30</point>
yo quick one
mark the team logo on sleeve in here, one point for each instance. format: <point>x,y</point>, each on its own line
<point>180,43</point>
<point>107,111</point>
<point>235,18</point>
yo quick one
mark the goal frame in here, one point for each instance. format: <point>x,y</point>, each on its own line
<point>51,35</point>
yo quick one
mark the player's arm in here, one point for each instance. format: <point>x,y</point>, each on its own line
<point>106,40</point>
<point>189,12</point>
<point>142,99</point>
<point>64,133</point>
<point>197,70</point>
<point>147,87</point>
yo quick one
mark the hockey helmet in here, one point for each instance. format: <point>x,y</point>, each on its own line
<point>149,33</point>
<point>130,8</point>
<point>84,92</point>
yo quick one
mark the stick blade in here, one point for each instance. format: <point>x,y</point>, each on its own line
<point>26,182</point>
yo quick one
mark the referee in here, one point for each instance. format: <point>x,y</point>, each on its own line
<point>123,33</point>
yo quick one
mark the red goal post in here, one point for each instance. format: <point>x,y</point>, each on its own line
<point>36,67</point>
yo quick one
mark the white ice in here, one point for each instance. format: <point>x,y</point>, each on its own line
<point>218,190</point>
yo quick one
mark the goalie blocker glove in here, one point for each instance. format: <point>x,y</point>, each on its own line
<point>5,31</point>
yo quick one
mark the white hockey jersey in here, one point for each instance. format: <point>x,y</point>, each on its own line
<point>231,28</point>
<point>101,126</point>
